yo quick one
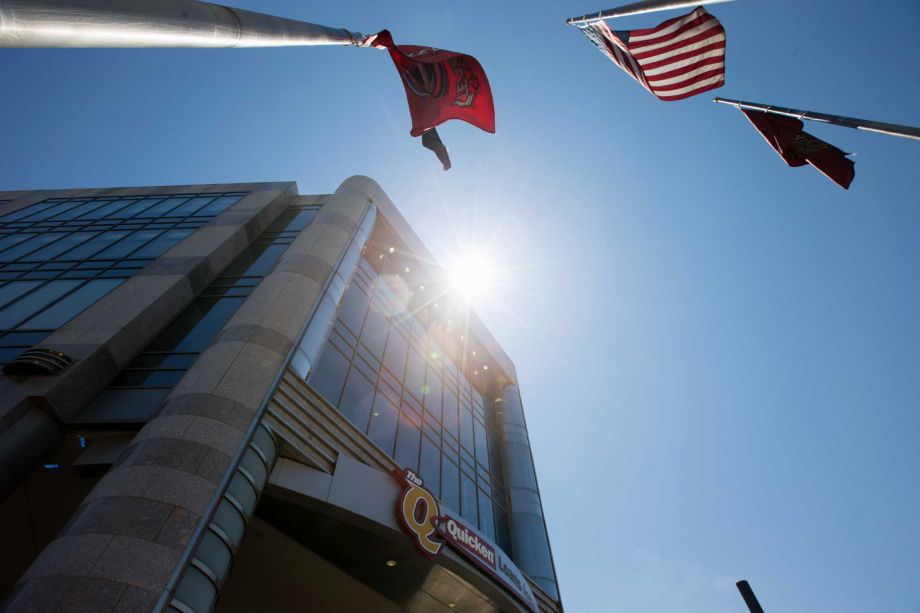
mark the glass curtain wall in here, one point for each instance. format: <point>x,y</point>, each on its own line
<point>61,255</point>
<point>386,371</point>
<point>135,395</point>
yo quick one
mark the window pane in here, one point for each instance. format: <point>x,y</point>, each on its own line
<point>191,206</point>
<point>469,505</point>
<point>433,396</point>
<point>450,420</point>
<point>395,356</point>
<point>107,209</point>
<point>94,245</point>
<point>357,399</point>
<point>382,429</point>
<point>163,207</point>
<point>35,301</point>
<point>197,325</point>
<point>466,428</point>
<point>482,447</point>
<point>415,374</point>
<point>128,244</point>
<point>486,521</point>
<point>161,244</point>
<point>374,334</point>
<point>450,485</point>
<point>430,470</point>
<point>407,445</point>
<point>71,306</point>
<point>219,206</point>
<point>328,377</point>
<point>15,289</point>
<point>58,247</point>
<point>12,239</point>
<point>35,241</point>
<point>353,309</point>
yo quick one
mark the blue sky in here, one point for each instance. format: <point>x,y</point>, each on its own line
<point>719,355</point>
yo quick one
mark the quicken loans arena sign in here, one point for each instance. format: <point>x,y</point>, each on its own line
<point>431,527</point>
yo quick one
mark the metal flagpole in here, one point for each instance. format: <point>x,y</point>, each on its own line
<point>849,122</point>
<point>154,23</point>
<point>647,6</point>
<point>749,598</point>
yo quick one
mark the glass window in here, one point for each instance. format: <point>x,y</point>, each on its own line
<point>408,441</point>
<point>466,428</point>
<point>382,428</point>
<point>219,205</point>
<point>66,309</point>
<point>469,506</point>
<point>357,399</point>
<point>482,447</point>
<point>69,241</point>
<point>433,397</point>
<point>450,485</point>
<point>34,302</point>
<point>197,325</point>
<point>328,378</point>
<point>128,244</point>
<point>354,307</point>
<point>161,244</point>
<point>415,374</point>
<point>34,242</point>
<point>106,210</point>
<point>14,289</point>
<point>450,419</point>
<point>430,469</point>
<point>94,245</point>
<point>374,334</point>
<point>395,356</point>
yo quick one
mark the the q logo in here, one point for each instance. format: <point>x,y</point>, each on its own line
<point>417,510</point>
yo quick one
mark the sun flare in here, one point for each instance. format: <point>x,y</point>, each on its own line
<point>472,275</point>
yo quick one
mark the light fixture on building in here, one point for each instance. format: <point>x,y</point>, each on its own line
<point>421,288</point>
<point>485,367</point>
<point>474,352</point>
<point>391,563</point>
<point>392,250</point>
<point>407,269</point>
<point>380,257</point>
<point>451,604</point>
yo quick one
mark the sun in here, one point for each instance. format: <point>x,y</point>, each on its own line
<point>472,275</point>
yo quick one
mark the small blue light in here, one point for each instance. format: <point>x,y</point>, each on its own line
<point>52,466</point>
<point>82,442</point>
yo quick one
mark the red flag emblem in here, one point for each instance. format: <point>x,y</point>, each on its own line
<point>798,148</point>
<point>440,85</point>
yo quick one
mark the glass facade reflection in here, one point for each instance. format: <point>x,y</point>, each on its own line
<point>59,256</point>
<point>388,369</point>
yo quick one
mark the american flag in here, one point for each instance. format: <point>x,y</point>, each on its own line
<point>680,58</point>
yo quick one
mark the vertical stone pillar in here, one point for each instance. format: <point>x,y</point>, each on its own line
<point>528,529</point>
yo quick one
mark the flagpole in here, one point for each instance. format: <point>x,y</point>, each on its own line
<point>647,6</point>
<point>892,129</point>
<point>154,23</point>
<point>748,595</point>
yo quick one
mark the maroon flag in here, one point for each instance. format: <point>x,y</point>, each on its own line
<point>681,57</point>
<point>440,85</point>
<point>799,148</point>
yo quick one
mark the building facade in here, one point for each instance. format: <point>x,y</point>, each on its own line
<point>238,398</point>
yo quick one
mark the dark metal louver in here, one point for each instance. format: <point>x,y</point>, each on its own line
<point>38,361</point>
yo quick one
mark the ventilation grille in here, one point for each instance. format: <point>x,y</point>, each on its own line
<point>38,361</point>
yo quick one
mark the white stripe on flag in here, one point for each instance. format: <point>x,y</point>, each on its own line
<point>708,25</point>
<point>686,76</point>
<point>720,37</point>
<point>705,83</point>
<point>687,62</point>
<point>670,29</point>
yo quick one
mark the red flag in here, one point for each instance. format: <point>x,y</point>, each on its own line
<point>679,58</point>
<point>798,147</point>
<point>440,85</point>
